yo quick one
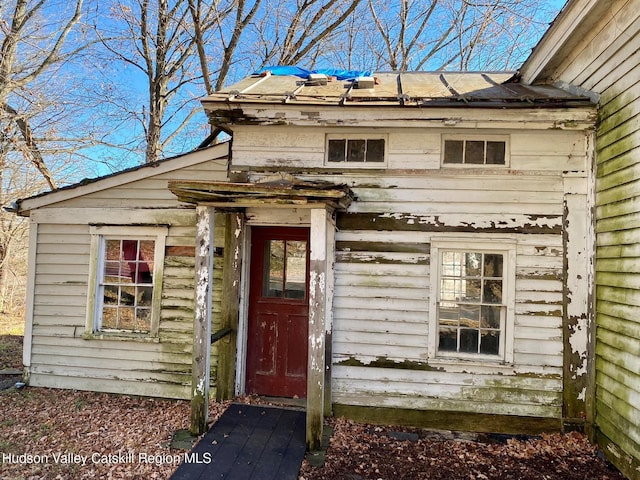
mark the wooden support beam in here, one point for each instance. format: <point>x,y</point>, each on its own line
<point>578,318</point>
<point>202,321</point>
<point>233,243</point>
<point>318,312</point>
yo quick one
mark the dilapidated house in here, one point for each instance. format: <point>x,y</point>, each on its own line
<point>398,247</point>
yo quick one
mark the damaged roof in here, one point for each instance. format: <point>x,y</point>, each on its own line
<point>406,89</point>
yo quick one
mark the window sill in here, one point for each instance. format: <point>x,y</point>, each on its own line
<point>121,336</point>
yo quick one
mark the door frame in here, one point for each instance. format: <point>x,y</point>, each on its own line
<point>320,220</point>
<point>284,232</point>
<point>258,217</point>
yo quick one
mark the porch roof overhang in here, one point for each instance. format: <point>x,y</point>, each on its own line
<point>281,192</point>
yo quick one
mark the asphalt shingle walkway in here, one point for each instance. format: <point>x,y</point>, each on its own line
<point>249,442</point>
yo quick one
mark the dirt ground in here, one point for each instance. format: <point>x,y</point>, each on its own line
<point>63,434</point>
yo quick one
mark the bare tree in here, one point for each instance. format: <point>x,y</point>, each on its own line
<point>164,41</point>
<point>440,34</point>
<point>20,67</point>
<point>37,40</point>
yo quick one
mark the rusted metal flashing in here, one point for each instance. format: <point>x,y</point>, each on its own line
<point>417,89</point>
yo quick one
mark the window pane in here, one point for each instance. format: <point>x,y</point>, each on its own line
<point>126,320</point>
<point>451,289</point>
<point>453,151</point>
<point>127,295</point>
<point>492,291</point>
<point>112,250</point>
<point>111,295</point>
<point>375,150</point>
<point>495,153</point>
<point>448,315</point>
<point>145,295</point>
<point>145,266</point>
<point>473,261</point>
<point>448,340</point>
<point>490,317</point>
<point>490,342</point>
<point>453,264</point>
<point>296,272</point>
<point>143,320</point>
<point>470,316</point>
<point>468,340</point>
<point>274,269</point>
<point>109,317</point>
<point>355,150</point>
<point>492,265</point>
<point>337,150</point>
<point>474,152</point>
<point>471,292</point>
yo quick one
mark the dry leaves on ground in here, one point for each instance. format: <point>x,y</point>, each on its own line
<point>10,352</point>
<point>47,434</point>
<point>358,452</point>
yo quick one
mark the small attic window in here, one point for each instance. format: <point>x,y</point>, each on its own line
<point>360,150</point>
<point>475,151</point>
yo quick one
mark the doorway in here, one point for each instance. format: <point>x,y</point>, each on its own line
<point>278,324</point>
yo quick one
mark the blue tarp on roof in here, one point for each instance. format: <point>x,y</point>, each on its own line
<point>304,73</point>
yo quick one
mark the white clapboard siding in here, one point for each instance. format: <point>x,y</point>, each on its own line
<point>60,356</point>
<point>406,148</point>
<point>605,60</point>
<point>383,284</point>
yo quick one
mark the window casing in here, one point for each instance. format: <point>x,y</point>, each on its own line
<point>361,150</point>
<point>472,309</point>
<point>126,280</point>
<point>474,151</point>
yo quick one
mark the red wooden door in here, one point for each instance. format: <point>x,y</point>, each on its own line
<point>278,312</point>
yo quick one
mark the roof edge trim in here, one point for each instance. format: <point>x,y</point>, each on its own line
<point>139,172</point>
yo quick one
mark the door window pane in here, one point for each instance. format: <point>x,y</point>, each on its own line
<point>274,268</point>
<point>296,269</point>
<point>285,270</point>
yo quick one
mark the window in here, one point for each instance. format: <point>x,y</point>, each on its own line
<point>474,151</point>
<point>473,305</point>
<point>286,269</point>
<point>126,269</point>
<point>360,150</point>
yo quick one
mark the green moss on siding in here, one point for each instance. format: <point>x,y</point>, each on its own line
<point>448,420</point>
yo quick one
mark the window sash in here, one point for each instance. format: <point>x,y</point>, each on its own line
<point>474,311</point>
<point>361,150</point>
<point>468,151</point>
<point>144,292</point>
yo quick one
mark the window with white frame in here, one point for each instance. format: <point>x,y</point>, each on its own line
<point>473,306</point>
<point>475,150</point>
<point>125,290</point>
<point>356,149</point>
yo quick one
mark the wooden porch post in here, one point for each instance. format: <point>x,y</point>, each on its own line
<point>319,319</point>
<point>233,244</point>
<point>202,320</point>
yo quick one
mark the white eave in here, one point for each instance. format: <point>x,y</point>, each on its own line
<point>562,35</point>
<point>86,187</point>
